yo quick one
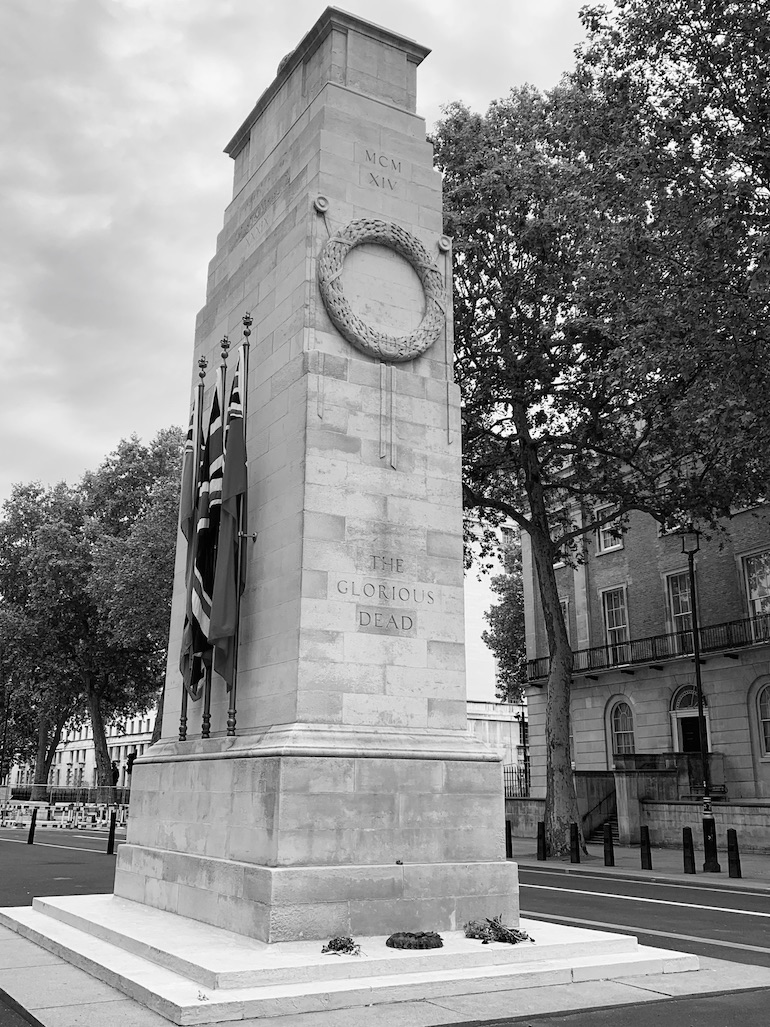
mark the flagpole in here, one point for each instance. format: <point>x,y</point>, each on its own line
<point>222,386</point>
<point>244,387</point>
<point>198,432</point>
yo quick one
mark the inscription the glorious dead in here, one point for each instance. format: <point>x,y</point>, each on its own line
<point>382,618</point>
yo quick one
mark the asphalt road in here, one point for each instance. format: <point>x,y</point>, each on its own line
<point>721,923</point>
<point>59,863</point>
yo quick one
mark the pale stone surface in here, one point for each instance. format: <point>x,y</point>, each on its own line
<point>352,800</point>
<point>246,979</point>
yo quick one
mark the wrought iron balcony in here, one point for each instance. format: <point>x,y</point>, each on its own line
<point>714,638</point>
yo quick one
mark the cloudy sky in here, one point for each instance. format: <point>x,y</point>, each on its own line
<point>113,116</point>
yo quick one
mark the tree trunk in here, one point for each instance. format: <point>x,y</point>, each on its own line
<point>561,808</point>
<point>560,800</point>
<point>53,742</point>
<point>105,788</point>
<point>40,781</point>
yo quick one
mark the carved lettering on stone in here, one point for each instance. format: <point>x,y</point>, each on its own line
<point>378,621</point>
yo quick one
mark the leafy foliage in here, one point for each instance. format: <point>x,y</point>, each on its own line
<point>505,636</point>
<point>85,580</point>
<point>610,304</point>
<point>495,930</point>
<point>341,946</point>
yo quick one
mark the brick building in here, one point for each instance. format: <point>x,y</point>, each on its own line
<point>629,615</point>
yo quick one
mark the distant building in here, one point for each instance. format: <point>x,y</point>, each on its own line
<point>74,764</point>
<point>502,726</point>
<point>628,610</point>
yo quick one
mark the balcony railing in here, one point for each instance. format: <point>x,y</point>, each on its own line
<point>714,638</point>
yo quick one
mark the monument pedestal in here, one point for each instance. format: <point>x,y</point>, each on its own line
<point>312,831</point>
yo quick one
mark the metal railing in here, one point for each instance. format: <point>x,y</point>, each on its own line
<point>516,780</point>
<point>735,634</point>
<point>53,793</point>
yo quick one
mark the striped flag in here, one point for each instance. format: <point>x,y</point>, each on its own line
<point>190,670</point>
<point>190,473</point>
<point>207,517</point>
<point>229,576</point>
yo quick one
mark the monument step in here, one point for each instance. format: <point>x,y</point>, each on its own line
<point>221,959</point>
<point>296,978</point>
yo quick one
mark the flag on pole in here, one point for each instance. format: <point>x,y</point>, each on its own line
<point>229,576</point>
<point>191,672</point>
<point>207,516</point>
<point>190,473</point>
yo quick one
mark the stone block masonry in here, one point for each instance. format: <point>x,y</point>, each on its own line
<point>352,798</point>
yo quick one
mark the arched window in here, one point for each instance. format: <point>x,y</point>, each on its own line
<point>622,729</point>
<point>764,719</point>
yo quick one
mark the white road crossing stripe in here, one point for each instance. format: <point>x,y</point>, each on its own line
<point>652,882</point>
<point>51,845</point>
<point>644,931</point>
<point>639,898</point>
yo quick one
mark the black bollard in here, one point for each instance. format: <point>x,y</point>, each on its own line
<point>733,855</point>
<point>31,835</point>
<point>609,851</point>
<point>646,853</point>
<point>688,851</point>
<point>541,839</point>
<point>508,840</point>
<point>711,864</point>
<point>574,844</point>
<point>111,837</point>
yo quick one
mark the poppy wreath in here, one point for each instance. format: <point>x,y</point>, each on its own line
<point>366,338</point>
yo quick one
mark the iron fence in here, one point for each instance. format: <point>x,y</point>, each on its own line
<point>516,780</point>
<point>52,794</point>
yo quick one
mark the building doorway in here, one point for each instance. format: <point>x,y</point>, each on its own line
<point>685,731</point>
<point>689,731</point>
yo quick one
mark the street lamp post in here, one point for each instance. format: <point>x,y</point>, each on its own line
<point>690,546</point>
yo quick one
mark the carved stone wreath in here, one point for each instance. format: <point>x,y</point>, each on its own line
<point>365,337</point>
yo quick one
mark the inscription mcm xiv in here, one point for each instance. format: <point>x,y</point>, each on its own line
<point>383,162</point>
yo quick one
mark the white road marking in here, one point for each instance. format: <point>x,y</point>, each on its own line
<point>50,845</point>
<point>640,898</point>
<point>644,930</point>
<point>653,882</point>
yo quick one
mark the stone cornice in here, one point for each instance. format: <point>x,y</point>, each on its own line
<point>332,18</point>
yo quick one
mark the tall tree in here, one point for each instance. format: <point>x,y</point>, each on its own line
<point>86,577</point>
<point>40,682</point>
<point>131,503</point>
<point>505,636</point>
<point>586,339</point>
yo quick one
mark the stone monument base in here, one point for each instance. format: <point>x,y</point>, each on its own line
<point>192,973</point>
<point>280,904</point>
<point>310,831</point>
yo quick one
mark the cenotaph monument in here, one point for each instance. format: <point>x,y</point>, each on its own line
<point>336,791</point>
<point>352,798</point>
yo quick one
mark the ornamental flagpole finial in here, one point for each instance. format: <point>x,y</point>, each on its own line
<point>247,323</point>
<point>225,347</point>
<point>202,365</point>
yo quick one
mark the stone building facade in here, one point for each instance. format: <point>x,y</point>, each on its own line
<point>628,609</point>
